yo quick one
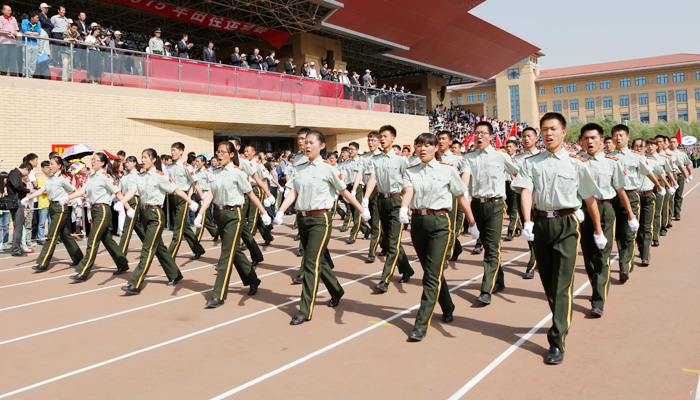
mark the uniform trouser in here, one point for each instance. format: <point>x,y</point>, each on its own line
<point>357,222</point>
<point>665,211</point>
<point>658,206</point>
<point>182,229</point>
<point>647,209</point>
<point>153,223</point>
<point>247,234</point>
<point>596,261</point>
<point>206,222</point>
<point>532,262</point>
<point>392,229</point>
<point>456,222</point>
<point>59,228</point>
<point>131,225</point>
<point>254,218</point>
<point>101,217</point>
<point>624,236</point>
<point>315,232</point>
<point>231,224</point>
<point>556,248</point>
<point>513,203</point>
<point>432,236</point>
<point>375,223</point>
<point>678,199</point>
<point>489,219</point>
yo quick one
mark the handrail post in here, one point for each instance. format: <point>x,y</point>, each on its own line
<point>301,90</point>
<point>148,71</point>
<point>281,89</point>
<point>179,75</point>
<point>209,79</point>
<point>72,48</point>
<point>111,67</point>
<point>235,82</point>
<point>259,83</point>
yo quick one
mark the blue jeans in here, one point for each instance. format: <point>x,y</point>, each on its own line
<point>4,226</point>
<point>43,219</point>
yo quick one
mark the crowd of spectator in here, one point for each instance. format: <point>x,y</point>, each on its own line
<point>461,123</point>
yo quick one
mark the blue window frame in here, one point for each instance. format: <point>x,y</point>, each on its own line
<point>590,85</point>
<point>682,96</point>
<point>471,97</point>
<point>556,106</point>
<point>660,97</point>
<point>558,89</point>
<point>482,96</point>
<point>590,104</point>
<point>573,105</point>
<point>607,102</point>
<point>605,84</point>
<point>640,81</point>
<point>543,107</point>
<point>683,115</point>
<point>459,100</point>
<point>514,73</point>
<point>643,99</point>
<point>662,78</point>
<point>571,87</point>
<point>625,82</point>
<point>624,101</point>
<point>661,116</point>
<point>644,117</point>
<point>697,94</point>
<point>515,103</point>
<point>541,90</point>
<point>678,77</point>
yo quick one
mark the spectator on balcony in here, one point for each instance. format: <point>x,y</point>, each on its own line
<point>355,82</point>
<point>183,48</point>
<point>255,60</point>
<point>166,50</point>
<point>94,55</point>
<point>325,75</point>
<point>236,57</point>
<point>31,29</point>
<point>60,23</point>
<point>272,62</point>
<point>80,56</point>
<point>312,70</point>
<point>209,55</point>
<point>243,61</point>
<point>42,67</point>
<point>305,70</point>
<point>367,82</point>
<point>9,31</point>
<point>118,56</point>
<point>334,76</point>
<point>155,44</point>
<point>46,24</point>
<point>289,66</point>
<point>346,84</point>
<point>70,36</point>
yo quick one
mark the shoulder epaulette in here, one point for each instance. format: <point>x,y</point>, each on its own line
<point>612,157</point>
<point>63,176</point>
<point>326,161</point>
<point>446,163</point>
<point>636,152</point>
<point>236,167</point>
<point>577,157</point>
<point>107,175</point>
<point>415,165</point>
<point>159,172</point>
<point>650,156</point>
<point>663,155</point>
<point>185,164</point>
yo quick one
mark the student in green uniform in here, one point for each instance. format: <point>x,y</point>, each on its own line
<point>130,182</point>
<point>671,174</point>
<point>684,165</point>
<point>372,203</point>
<point>203,178</point>
<point>252,213</point>
<point>529,139</point>
<point>456,215</point>
<point>352,174</point>
<point>484,171</point>
<point>430,188</point>
<point>98,190</point>
<point>666,219</point>
<point>387,172</point>
<point>56,187</point>
<point>669,182</point>
<point>554,182</point>
<point>512,198</point>
<point>153,186</point>
<point>314,186</point>
<point>229,185</point>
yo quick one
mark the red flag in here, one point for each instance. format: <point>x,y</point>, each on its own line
<point>513,131</point>
<point>678,136</point>
<point>468,141</point>
<point>498,141</point>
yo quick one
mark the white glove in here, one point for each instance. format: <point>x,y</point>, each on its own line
<point>690,178</point>
<point>662,192</point>
<point>353,193</point>
<point>204,195</point>
<point>579,215</point>
<point>527,233</point>
<point>119,207</point>
<point>269,201</point>
<point>198,221</point>
<point>26,202</point>
<point>466,196</point>
<point>281,191</point>
<point>266,220</point>
<point>365,203</point>
<point>403,215</point>
<point>634,224</point>
<point>286,192</point>
<point>672,190</point>
<point>278,218</point>
<point>131,213</point>
<point>89,216</point>
<point>676,187</point>
<point>63,201</point>
<point>474,231</point>
<point>600,241</point>
<point>511,186</point>
<point>366,215</point>
<point>194,206</point>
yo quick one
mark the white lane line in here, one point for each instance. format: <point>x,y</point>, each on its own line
<point>693,188</point>
<point>339,342</point>
<point>697,390</point>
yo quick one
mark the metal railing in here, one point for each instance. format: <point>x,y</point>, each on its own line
<point>119,67</point>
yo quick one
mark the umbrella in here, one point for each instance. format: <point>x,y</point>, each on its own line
<point>205,155</point>
<point>77,151</point>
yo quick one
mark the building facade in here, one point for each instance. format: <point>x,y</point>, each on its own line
<point>648,90</point>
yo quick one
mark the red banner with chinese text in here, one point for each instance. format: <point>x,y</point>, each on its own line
<point>60,148</point>
<point>274,37</point>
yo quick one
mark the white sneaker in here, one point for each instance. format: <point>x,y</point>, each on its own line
<point>5,246</point>
<point>31,244</point>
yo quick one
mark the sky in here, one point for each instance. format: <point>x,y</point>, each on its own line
<point>574,33</point>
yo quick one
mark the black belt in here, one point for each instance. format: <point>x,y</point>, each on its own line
<point>487,200</point>
<point>100,204</point>
<point>553,214</point>
<point>418,211</point>
<point>152,207</point>
<point>602,201</point>
<point>389,195</point>
<point>225,207</point>
<point>313,212</point>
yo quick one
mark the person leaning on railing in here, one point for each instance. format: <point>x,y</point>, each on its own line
<point>71,37</point>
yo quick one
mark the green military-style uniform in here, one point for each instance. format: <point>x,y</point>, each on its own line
<point>252,213</point>
<point>247,236</point>
<point>153,186</point>
<point>203,178</point>
<point>316,183</point>
<point>389,169</point>
<point>647,209</point>
<point>229,186</point>
<point>609,177</point>
<point>349,170</point>
<point>681,160</point>
<point>558,182</point>
<point>665,219</point>
<point>128,182</point>
<point>435,185</point>
<point>99,189</point>
<point>657,226</point>
<point>182,175</point>
<point>488,169</point>
<point>374,222</point>
<point>456,213</point>
<point>57,187</point>
<point>513,206</point>
<point>518,159</point>
<point>635,166</point>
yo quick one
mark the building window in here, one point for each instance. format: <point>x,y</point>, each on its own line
<point>643,99</point>
<point>558,89</point>
<point>625,82</point>
<point>471,97</point>
<point>605,84</point>
<point>660,97</point>
<point>609,117</point>
<point>459,100</point>
<point>624,101</point>
<point>495,95</point>
<point>682,96</point>
<point>662,116</point>
<point>571,87</point>
<point>541,90</point>
<point>495,111</point>
<point>644,118</point>
<point>624,117</point>
<point>590,85</point>
<point>515,103</point>
<point>683,115</point>
<point>697,75</point>
<point>514,73</point>
<point>640,81</point>
<point>697,94</point>
<point>556,106</point>
<point>543,107</point>
<point>574,119</point>
<point>662,78</point>
<point>573,106</point>
<point>607,102</point>
<point>482,96</point>
<point>590,104</point>
<point>678,77</point>
<point>486,112</point>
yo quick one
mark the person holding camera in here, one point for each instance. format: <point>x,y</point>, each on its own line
<point>16,191</point>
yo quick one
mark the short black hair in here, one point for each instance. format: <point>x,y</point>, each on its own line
<point>554,115</point>
<point>620,127</point>
<point>345,148</point>
<point>606,139</point>
<point>373,134</point>
<point>73,24</point>
<point>31,15</point>
<point>591,126</point>
<point>25,165</point>
<point>454,142</point>
<point>304,131</point>
<point>529,128</point>
<point>486,124</point>
<point>448,133</point>
<point>44,164</point>
<point>30,157</point>
<point>389,128</point>
<point>53,153</point>
<point>638,140</point>
<point>178,145</point>
<point>121,153</point>
<point>354,144</point>
<point>661,137</point>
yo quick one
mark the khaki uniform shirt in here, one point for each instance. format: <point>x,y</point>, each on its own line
<point>366,162</point>
<point>316,183</point>
<point>663,161</point>
<point>558,180</point>
<point>389,169</point>
<point>349,168</point>
<point>635,166</point>
<point>434,185</point>
<point>229,185</point>
<point>518,159</point>
<point>488,169</point>
<point>130,181</point>
<point>657,168</point>
<point>203,178</point>
<point>673,158</point>
<point>58,186</point>
<point>607,174</point>
<point>153,186</point>
<point>182,175</point>
<point>413,160</point>
<point>100,187</point>
<point>448,157</point>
